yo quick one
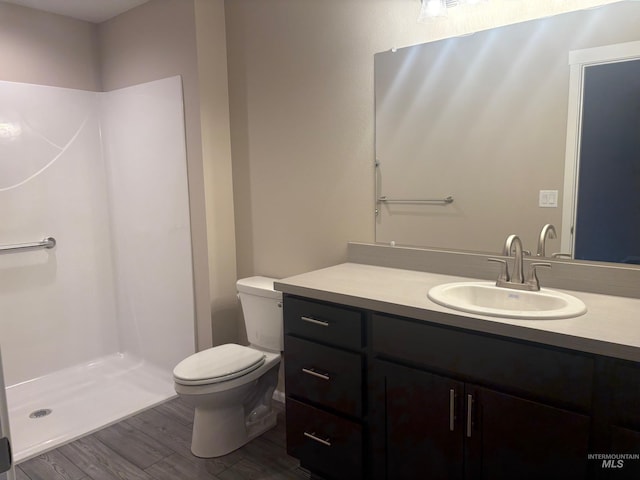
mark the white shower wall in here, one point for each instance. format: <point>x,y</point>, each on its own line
<point>105,174</point>
<point>58,306</point>
<point>147,182</point>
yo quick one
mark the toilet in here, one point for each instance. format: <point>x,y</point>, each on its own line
<point>231,386</point>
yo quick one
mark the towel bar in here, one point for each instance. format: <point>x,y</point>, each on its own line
<point>48,242</point>
<point>446,200</point>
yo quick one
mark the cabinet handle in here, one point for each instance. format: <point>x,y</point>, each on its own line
<point>312,436</point>
<point>314,321</point>
<point>311,371</point>
<point>452,409</point>
<point>469,414</point>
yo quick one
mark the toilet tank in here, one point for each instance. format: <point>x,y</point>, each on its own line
<point>262,310</point>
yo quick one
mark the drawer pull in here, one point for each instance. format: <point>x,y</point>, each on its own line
<point>315,322</point>
<point>312,436</point>
<point>452,409</point>
<point>311,371</point>
<point>469,414</point>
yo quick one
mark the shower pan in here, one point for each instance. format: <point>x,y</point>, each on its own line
<point>92,325</point>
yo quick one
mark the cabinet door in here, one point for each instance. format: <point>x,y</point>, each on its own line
<point>622,414</point>
<point>624,389</point>
<point>510,437</point>
<point>624,443</point>
<point>423,424</point>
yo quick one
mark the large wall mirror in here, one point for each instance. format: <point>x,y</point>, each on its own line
<point>471,139</point>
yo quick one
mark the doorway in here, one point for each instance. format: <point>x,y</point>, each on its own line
<point>604,187</point>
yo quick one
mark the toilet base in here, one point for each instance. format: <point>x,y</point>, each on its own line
<point>258,427</point>
<point>228,419</point>
<point>208,442</point>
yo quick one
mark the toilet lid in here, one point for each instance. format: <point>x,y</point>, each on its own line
<point>218,364</point>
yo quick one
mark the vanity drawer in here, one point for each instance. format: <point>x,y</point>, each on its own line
<point>560,376</point>
<point>324,443</point>
<point>324,375</point>
<point>323,322</point>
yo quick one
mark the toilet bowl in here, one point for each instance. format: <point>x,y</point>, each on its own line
<point>231,386</point>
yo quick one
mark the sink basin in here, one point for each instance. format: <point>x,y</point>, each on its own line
<point>484,298</point>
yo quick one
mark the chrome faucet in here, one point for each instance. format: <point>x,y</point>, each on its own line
<point>514,244</point>
<point>547,231</point>
<point>517,281</point>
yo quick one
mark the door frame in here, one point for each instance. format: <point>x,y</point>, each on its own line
<point>578,61</point>
<point>4,421</point>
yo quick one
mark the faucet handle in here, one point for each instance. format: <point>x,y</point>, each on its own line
<point>532,278</point>
<point>504,275</point>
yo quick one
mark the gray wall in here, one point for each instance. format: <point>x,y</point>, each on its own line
<point>302,117</point>
<point>47,49</point>
<point>300,79</point>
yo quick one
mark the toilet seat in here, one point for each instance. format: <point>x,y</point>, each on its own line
<point>218,364</point>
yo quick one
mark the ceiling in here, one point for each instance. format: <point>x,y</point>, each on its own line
<point>95,11</point>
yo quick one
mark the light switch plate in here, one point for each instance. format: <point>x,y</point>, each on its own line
<point>548,199</point>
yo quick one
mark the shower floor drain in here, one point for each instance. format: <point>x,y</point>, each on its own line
<point>43,412</point>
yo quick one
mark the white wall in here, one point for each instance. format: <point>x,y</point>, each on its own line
<point>144,143</point>
<point>152,41</point>
<point>158,40</point>
<point>58,306</point>
<point>120,277</point>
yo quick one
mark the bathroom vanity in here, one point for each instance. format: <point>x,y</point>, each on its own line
<point>382,383</point>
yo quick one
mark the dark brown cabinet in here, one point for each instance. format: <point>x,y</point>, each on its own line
<point>455,430</point>
<point>622,431</point>
<point>624,443</point>
<point>513,437</point>
<point>497,409</point>
<point>423,422</point>
<point>325,376</point>
<point>325,444</point>
<point>324,382</point>
<point>381,397</point>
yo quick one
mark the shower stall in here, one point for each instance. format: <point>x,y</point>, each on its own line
<point>91,328</point>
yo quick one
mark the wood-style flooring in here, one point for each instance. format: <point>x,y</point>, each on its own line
<point>155,445</point>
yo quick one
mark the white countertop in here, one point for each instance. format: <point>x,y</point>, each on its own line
<point>610,327</point>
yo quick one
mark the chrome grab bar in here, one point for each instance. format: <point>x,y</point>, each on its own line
<point>48,242</point>
<point>445,201</point>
